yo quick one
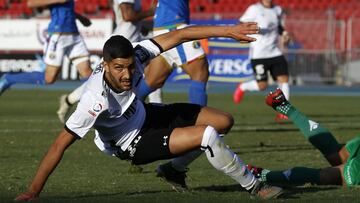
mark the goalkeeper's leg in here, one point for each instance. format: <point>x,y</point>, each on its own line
<point>318,136</point>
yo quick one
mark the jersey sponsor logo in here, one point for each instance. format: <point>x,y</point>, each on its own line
<point>97,107</point>
<point>313,125</point>
<point>98,69</point>
<point>92,113</point>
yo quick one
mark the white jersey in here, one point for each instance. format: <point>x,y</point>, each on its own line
<point>130,30</point>
<point>116,117</point>
<point>269,20</point>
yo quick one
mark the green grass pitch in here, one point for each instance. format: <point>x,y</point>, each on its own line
<point>28,125</point>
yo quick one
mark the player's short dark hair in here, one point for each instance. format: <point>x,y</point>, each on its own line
<point>117,47</point>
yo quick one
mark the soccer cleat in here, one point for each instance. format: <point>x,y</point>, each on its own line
<point>275,99</point>
<point>281,117</point>
<point>4,85</point>
<point>265,191</point>
<point>64,107</point>
<point>256,171</point>
<point>175,178</point>
<point>238,94</point>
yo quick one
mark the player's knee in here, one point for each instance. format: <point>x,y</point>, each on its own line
<point>50,80</point>
<point>209,137</point>
<point>228,122</point>
<point>200,75</point>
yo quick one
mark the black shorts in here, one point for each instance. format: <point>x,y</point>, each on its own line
<point>276,65</point>
<point>160,121</point>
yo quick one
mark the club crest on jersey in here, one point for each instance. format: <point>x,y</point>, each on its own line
<point>97,107</point>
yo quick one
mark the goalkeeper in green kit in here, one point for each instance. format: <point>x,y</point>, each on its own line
<point>344,160</point>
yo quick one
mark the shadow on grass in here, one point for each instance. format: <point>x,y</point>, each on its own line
<point>261,148</point>
<point>290,192</point>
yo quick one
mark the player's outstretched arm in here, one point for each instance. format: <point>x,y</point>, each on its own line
<point>43,3</point>
<point>47,166</point>
<point>238,32</point>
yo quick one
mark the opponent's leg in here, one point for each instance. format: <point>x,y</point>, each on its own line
<point>317,135</point>
<point>156,74</point>
<point>198,70</point>
<point>240,90</point>
<point>303,175</point>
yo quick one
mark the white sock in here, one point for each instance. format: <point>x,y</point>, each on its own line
<point>75,95</point>
<point>155,96</point>
<point>181,163</point>
<point>285,89</point>
<point>224,160</point>
<point>251,85</point>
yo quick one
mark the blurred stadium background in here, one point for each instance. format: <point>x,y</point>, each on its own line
<point>324,49</point>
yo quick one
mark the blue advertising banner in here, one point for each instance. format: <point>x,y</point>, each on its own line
<point>228,59</point>
<point>221,43</point>
<point>222,69</point>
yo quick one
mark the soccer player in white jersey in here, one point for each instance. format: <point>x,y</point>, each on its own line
<point>143,133</point>
<point>265,54</point>
<point>63,40</point>
<point>128,18</point>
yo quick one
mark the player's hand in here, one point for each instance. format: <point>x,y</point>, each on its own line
<point>27,196</point>
<point>241,31</point>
